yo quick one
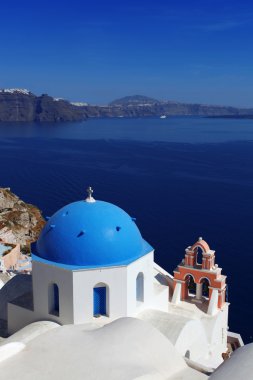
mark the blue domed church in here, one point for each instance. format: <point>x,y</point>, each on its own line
<point>92,265</point>
<point>90,262</point>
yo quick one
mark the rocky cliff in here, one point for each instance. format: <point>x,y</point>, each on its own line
<point>20,222</point>
<point>51,110</point>
<point>19,105</point>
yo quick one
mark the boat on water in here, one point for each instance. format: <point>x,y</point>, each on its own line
<point>163,117</point>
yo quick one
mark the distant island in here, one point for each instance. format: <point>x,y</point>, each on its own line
<point>21,105</point>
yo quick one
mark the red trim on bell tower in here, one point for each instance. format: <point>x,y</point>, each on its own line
<point>206,272</point>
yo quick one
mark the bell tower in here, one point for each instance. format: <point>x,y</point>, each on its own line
<point>200,281</point>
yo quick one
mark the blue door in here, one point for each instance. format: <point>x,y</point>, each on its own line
<point>99,300</point>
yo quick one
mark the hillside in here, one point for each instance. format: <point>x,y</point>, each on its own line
<point>18,105</point>
<point>135,100</point>
<point>141,105</point>
<point>20,222</point>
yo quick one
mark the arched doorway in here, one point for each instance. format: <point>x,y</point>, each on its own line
<point>140,287</point>
<point>100,300</point>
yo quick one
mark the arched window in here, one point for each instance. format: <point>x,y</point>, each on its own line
<point>100,300</point>
<point>140,287</point>
<point>53,299</point>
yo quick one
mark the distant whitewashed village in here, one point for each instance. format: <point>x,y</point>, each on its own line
<point>22,105</point>
<point>89,287</point>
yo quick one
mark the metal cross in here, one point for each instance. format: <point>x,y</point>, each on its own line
<point>90,192</point>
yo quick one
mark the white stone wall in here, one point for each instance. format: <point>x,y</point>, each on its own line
<point>218,341</point>
<point>84,281</point>
<point>121,289</point>
<point>43,276</point>
<point>144,265</point>
<point>19,317</point>
<point>207,342</point>
<point>192,338</point>
<point>76,292</point>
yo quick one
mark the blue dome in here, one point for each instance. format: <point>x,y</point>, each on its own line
<point>91,234</point>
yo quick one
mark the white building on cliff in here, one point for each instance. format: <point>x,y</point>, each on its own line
<point>92,266</point>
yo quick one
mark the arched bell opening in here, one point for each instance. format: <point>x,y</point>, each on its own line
<point>205,283</point>
<point>190,285</point>
<point>198,256</point>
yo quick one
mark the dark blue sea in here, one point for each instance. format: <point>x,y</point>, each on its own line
<point>180,177</point>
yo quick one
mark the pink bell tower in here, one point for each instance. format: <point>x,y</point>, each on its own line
<point>200,282</point>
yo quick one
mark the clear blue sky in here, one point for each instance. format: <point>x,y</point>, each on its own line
<point>95,51</point>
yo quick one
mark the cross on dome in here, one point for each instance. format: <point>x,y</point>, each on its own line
<point>90,197</point>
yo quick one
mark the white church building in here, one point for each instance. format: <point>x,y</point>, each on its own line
<point>91,264</point>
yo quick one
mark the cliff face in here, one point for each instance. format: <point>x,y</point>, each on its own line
<point>21,105</point>
<point>168,109</point>
<point>17,106</point>
<point>20,222</point>
<point>142,106</point>
<point>48,109</point>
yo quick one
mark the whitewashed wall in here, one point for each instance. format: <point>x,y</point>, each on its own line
<point>84,281</point>
<point>192,338</point>
<point>144,265</point>
<point>43,276</point>
<point>76,292</point>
